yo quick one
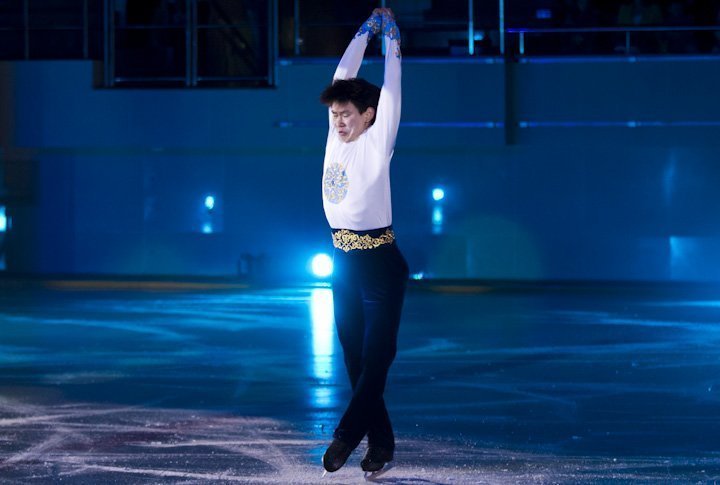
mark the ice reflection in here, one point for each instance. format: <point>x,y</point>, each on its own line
<point>323,397</point>
<point>323,334</point>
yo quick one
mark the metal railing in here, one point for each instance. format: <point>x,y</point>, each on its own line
<point>466,25</point>
<point>511,41</point>
<point>627,32</point>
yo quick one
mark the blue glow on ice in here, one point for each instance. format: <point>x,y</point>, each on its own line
<point>323,332</point>
<point>207,228</point>
<point>323,397</point>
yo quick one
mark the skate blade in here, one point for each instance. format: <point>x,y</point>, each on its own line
<point>371,476</point>
<point>325,472</point>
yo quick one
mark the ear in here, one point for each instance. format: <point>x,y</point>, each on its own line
<point>369,114</point>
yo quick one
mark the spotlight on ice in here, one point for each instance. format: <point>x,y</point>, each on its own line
<point>209,202</point>
<point>322,265</point>
<point>438,194</point>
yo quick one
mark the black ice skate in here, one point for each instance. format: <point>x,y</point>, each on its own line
<point>375,459</point>
<point>336,455</point>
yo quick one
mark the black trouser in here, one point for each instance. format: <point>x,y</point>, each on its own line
<point>368,291</point>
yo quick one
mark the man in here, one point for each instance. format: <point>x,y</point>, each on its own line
<point>370,274</point>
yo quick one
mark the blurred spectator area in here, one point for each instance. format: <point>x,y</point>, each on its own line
<point>444,27</point>
<point>235,42</point>
<point>428,27</point>
<point>617,27</point>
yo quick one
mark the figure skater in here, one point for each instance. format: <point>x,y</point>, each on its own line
<point>370,274</point>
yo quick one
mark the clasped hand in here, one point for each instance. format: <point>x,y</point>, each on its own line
<point>383,12</point>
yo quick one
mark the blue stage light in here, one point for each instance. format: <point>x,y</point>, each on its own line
<point>209,202</point>
<point>437,220</point>
<point>322,265</point>
<point>3,219</point>
<point>438,194</point>
<point>543,13</point>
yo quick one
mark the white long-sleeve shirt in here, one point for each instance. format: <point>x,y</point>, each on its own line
<point>359,171</point>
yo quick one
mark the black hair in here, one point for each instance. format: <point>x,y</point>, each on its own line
<point>361,93</point>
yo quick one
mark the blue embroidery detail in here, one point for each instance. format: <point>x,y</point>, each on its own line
<point>335,183</point>
<point>372,26</point>
<point>390,29</point>
<point>381,23</point>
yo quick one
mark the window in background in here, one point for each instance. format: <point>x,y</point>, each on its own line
<point>190,43</point>
<point>51,29</point>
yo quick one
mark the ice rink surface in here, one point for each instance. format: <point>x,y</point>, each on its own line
<point>491,385</point>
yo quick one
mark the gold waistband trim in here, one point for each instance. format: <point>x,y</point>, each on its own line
<point>349,240</point>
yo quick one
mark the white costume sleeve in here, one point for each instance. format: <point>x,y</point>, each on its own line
<point>387,120</point>
<point>352,58</point>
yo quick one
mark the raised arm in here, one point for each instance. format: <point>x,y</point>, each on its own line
<point>353,56</point>
<point>387,119</point>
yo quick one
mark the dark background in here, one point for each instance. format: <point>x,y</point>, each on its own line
<point>583,156</point>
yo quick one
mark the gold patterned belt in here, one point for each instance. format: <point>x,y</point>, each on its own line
<point>349,240</point>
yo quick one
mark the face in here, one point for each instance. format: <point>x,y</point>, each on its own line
<point>349,122</point>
